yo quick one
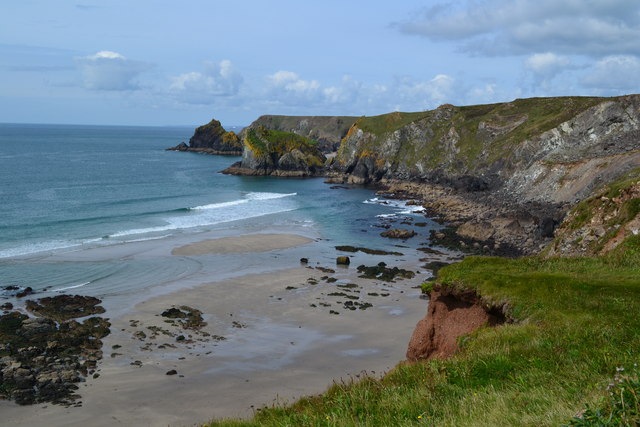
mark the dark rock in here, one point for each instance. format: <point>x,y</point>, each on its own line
<point>343,260</point>
<point>398,233</point>
<point>27,291</point>
<point>547,227</point>
<point>65,307</point>
<point>367,250</point>
<point>189,318</point>
<point>36,326</point>
<point>180,147</point>
<point>42,360</point>
<point>172,372</point>
<point>213,136</point>
<point>470,183</point>
<point>304,260</point>
<point>382,272</point>
<point>174,313</point>
<point>6,306</point>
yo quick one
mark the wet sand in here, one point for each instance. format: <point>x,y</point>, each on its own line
<point>242,244</point>
<point>269,338</point>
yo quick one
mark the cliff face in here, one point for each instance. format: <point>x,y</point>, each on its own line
<point>602,222</point>
<point>277,153</point>
<point>212,138</point>
<point>450,315</point>
<point>551,150</point>
<point>327,130</point>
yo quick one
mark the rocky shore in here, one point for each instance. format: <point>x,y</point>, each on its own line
<point>43,358</point>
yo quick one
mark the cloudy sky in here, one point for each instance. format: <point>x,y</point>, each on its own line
<point>164,62</point>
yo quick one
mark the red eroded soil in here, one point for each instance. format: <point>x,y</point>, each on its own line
<point>449,316</point>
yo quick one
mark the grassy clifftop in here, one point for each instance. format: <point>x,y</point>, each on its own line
<point>327,130</point>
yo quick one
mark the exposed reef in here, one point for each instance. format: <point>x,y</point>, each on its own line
<point>43,358</point>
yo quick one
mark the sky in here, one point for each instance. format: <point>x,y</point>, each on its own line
<point>164,62</point>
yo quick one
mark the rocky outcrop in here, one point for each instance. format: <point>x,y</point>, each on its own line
<point>278,153</point>
<point>398,233</point>
<point>327,130</point>
<point>450,315</point>
<point>43,358</point>
<point>212,139</point>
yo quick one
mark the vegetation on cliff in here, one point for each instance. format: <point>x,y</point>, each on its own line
<point>327,130</point>
<point>268,151</point>
<point>479,134</point>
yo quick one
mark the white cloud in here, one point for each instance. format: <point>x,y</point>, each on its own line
<point>615,74</point>
<point>505,27</point>
<point>409,94</point>
<point>288,88</point>
<point>108,70</point>
<point>217,80</point>
<point>546,64</point>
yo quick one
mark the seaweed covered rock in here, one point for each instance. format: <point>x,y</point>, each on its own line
<point>398,233</point>
<point>384,273</point>
<point>41,360</point>
<point>65,307</point>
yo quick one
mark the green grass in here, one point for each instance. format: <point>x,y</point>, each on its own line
<point>264,142</point>
<point>387,123</point>
<point>576,322</point>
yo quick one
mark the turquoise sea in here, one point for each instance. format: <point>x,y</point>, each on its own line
<point>84,208</point>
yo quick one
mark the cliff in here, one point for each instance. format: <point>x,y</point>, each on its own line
<point>551,150</point>
<point>277,153</point>
<point>327,130</point>
<point>212,138</point>
<point>602,222</point>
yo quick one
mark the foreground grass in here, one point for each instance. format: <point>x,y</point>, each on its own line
<point>577,324</point>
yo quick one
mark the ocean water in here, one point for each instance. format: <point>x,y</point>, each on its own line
<point>82,209</point>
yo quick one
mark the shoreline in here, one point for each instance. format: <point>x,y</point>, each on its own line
<point>275,344</point>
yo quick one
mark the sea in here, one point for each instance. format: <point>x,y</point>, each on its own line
<point>92,209</point>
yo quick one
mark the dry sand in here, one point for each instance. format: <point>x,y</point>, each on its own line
<point>276,346</point>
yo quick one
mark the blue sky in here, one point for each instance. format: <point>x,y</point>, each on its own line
<point>158,62</point>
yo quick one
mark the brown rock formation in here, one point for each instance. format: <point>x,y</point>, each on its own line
<point>449,316</point>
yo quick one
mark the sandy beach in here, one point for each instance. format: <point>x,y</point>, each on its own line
<point>242,244</point>
<point>269,338</point>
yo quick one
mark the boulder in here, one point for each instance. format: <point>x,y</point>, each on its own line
<point>398,233</point>
<point>343,260</point>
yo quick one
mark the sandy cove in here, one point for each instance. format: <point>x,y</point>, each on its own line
<point>269,338</point>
